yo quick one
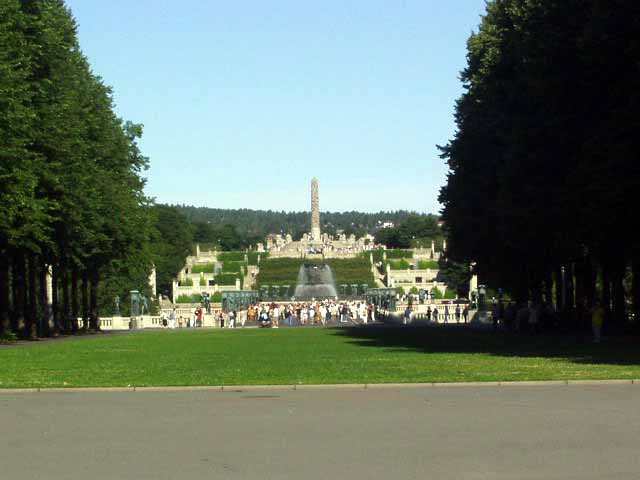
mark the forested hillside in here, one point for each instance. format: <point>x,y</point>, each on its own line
<point>256,224</point>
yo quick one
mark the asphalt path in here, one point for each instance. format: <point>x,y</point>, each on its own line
<point>513,432</point>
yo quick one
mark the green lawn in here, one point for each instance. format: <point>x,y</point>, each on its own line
<point>310,356</point>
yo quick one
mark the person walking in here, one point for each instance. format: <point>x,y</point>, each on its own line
<point>407,315</point>
<point>465,313</point>
<point>457,313</point>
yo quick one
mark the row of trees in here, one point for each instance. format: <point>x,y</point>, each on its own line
<point>254,225</point>
<point>544,167</point>
<point>71,190</point>
<point>413,231</point>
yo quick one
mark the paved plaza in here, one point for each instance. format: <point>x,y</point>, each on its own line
<point>486,432</point>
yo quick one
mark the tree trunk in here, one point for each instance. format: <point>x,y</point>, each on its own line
<point>559,287</point>
<point>75,312</point>
<point>66,304</point>
<point>4,291</point>
<point>579,283</point>
<point>589,275</point>
<point>55,299</point>
<point>548,286</point>
<point>30,330</point>
<point>85,300</point>
<point>19,292</point>
<point>571,290</point>
<point>635,289</point>
<point>45,308</point>
<point>93,301</point>
<point>619,307</point>
<point>606,293</point>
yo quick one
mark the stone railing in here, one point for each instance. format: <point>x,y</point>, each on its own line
<point>124,323</point>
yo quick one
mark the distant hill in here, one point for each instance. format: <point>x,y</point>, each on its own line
<point>259,223</point>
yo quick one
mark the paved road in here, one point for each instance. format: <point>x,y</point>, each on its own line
<point>557,432</point>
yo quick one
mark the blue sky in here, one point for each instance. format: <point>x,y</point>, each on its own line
<point>244,102</point>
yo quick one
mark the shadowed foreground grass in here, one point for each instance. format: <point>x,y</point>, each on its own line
<point>310,356</point>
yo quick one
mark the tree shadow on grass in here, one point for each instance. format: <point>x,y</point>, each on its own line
<point>463,339</point>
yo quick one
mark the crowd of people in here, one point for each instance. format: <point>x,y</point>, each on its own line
<point>533,317</point>
<point>446,313</point>
<point>527,317</point>
<point>313,313</point>
<point>290,314</point>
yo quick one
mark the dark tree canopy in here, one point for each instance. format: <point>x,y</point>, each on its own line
<point>544,167</point>
<point>71,185</point>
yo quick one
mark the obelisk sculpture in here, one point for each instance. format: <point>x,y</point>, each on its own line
<point>315,211</point>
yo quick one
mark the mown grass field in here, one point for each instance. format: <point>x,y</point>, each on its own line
<point>310,356</point>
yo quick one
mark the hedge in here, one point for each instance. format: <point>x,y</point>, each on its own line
<point>203,268</point>
<point>253,257</point>
<point>231,256</point>
<point>284,271</point>
<point>233,267</point>
<point>398,264</point>
<point>428,264</point>
<point>226,279</point>
<point>197,298</point>
<point>398,254</point>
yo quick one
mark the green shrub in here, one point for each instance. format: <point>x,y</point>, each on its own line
<point>352,271</point>
<point>233,267</point>
<point>428,264</point>
<point>414,290</point>
<point>8,337</point>
<point>450,294</point>
<point>398,264</point>
<point>226,278</point>
<point>279,271</point>
<point>377,255</point>
<point>195,298</point>
<point>203,282</point>
<point>231,256</point>
<point>188,282</point>
<point>206,247</point>
<point>253,257</point>
<point>397,254</point>
<point>203,268</point>
<point>437,294</point>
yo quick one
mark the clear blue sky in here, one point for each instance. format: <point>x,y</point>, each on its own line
<point>244,102</point>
